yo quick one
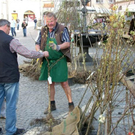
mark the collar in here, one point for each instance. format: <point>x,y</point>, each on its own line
<point>55,26</point>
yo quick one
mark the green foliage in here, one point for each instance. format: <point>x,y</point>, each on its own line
<point>129,14</point>
<point>68,14</point>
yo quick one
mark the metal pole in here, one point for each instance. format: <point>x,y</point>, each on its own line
<point>84,11</point>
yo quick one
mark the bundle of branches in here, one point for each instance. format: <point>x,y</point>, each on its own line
<point>31,69</point>
<point>106,92</point>
<point>81,77</point>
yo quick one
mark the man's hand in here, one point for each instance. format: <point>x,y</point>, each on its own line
<point>37,47</point>
<point>54,46</point>
<point>46,54</point>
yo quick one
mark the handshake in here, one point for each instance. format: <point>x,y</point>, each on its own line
<point>54,46</point>
<point>46,54</point>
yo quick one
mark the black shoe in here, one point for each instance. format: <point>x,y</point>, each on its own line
<point>2,117</point>
<point>53,108</point>
<point>19,131</point>
<point>46,111</point>
<point>0,130</point>
<point>71,106</point>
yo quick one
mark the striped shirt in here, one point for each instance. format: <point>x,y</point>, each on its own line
<point>16,46</point>
<point>65,36</point>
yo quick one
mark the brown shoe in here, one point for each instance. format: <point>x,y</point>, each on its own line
<point>71,106</point>
<point>53,108</point>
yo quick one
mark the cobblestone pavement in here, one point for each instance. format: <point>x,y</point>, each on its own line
<point>33,95</point>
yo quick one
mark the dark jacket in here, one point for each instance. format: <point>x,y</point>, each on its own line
<point>24,25</point>
<point>35,20</point>
<point>132,26</point>
<point>9,72</point>
<point>58,36</point>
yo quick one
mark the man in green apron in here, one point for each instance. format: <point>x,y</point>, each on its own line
<point>55,38</point>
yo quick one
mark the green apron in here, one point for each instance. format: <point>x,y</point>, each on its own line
<point>58,70</point>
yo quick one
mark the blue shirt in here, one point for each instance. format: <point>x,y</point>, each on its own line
<point>65,36</point>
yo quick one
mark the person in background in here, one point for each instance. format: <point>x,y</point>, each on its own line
<point>9,74</point>
<point>26,19</point>
<point>55,39</point>
<point>103,23</point>
<point>24,25</point>
<point>18,23</point>
<point>35,22</point>
<point>13,24</point>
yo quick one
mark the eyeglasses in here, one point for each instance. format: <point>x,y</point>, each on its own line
<point>8,25</point>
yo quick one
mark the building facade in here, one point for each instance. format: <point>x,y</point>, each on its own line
<point>35,8</point>
<point>20,9</point>
<point>123,4</point>
<point>4,9</point>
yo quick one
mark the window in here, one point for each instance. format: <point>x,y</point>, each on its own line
<point>111,1</point>
<point>99,1</point>
<point>120,8</point>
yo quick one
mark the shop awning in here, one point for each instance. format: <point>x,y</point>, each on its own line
<point>28,13</point>
<point>48,5</point>
<point>97,10</point>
